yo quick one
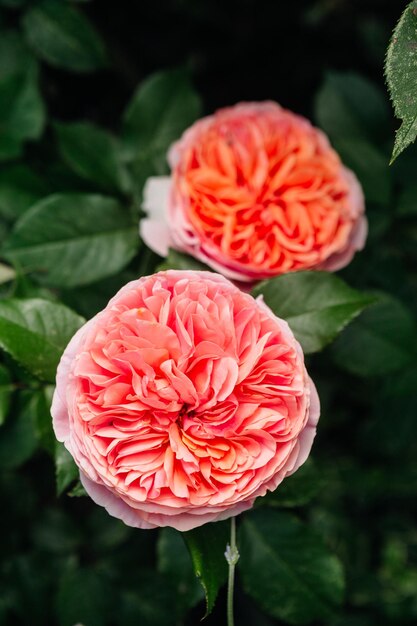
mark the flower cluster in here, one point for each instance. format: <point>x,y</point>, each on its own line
<point>186,398</point>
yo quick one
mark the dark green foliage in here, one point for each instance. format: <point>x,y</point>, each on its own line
<point>287,569</point>
<point>22,110</point>
<point>92,95</point>
<point>174,560</point>
<point>62,36</point>
<point>89,237</point>
<point>382,340</point>
<point>207,545</point>
<point>35,333</point>
<point>296,490</point>
<point>401,71</point>
<point>317,305</point>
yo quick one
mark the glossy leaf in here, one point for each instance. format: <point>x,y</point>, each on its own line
<point>207,545</point>
<point>62,36</point>
<point>401,73</point>
<point>316,305</point>
<point>88,238</point>
<point>382,340</point>
<point>35,332</point>
<point>286,568</point>
<point>93,154</point>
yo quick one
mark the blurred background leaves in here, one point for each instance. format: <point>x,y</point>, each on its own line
<point>91,97</point>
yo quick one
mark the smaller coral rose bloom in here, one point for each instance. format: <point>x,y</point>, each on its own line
<point>256,191</point>
<point>183,401</point>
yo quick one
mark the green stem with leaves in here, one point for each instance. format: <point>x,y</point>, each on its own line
<point>232,557</point>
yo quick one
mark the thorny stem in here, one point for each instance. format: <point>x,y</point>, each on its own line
<point>232,557</point>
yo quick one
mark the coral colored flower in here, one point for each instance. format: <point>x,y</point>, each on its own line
<point>184,400</point>
<point>256,191</point>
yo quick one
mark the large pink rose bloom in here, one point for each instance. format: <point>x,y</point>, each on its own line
<point>256,191</point>
<point>183,401</point>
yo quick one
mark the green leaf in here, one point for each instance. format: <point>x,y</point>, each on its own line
<point>180,261</point>
<point>22,112</point>
<point>93,154</point>
<point>35,332</point>
<point>6,389</point>
<point>207,545</point>
<point>88,237</point>
<point>355,115</point>
<point>370,166</point>
<point>316,305</point>
<point>18,439</point>
<point>401,73</point>
<point>160,110</point>
<point>84,597</point>
<point>286,568</point>
<point>382,340</point>
<point>63,37</point>
<point>174,561</point>
<point>66,471</point>
<point>348,105</point>
<point>20,188</point>
<point>296,490</point>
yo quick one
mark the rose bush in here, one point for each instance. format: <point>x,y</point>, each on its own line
<point>256,191</point>
<point>184,400</point>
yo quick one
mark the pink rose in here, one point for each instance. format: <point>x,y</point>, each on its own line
<point>256,191</point>
<point>183,400</point>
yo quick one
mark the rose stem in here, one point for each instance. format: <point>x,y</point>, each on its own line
<point>232,557</point>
